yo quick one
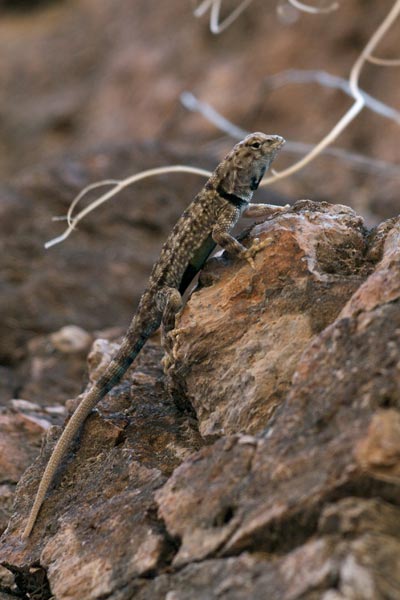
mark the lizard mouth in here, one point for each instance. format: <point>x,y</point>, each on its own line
<point>276,141</point>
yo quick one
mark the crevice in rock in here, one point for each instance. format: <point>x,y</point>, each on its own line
<point>282,536</point>
<point>279,537</point>
<point>31,581</point>
<point>121,438</point>
<point>375,240</point>
<point>171,544</point>
<point>288,531</point>
<point>224,516</point>
<point>367,489</point>
<point>388,401</point>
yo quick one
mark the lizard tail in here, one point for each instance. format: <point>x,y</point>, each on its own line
<point>111,376</point>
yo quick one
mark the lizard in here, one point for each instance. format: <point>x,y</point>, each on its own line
<point>204,224</point>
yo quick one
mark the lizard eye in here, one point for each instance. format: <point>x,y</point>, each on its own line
<point>255,145</point>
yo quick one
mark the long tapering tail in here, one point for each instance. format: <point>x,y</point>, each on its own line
<point>111,376</point>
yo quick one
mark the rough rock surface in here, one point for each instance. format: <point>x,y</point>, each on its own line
<point>20,434</point>
<point>263,320</point>
<point>297,499</point>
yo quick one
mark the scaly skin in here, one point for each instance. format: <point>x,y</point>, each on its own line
<point>204,224</point>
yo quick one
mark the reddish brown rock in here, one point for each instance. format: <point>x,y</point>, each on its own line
<point>263,320</point>
<point>100,517</point>
<point>306,507</point>
<point>20,437</point>
<point>316,443</point>
<point>379,452</point>
<point>52,371</point>
<point>355,556</point>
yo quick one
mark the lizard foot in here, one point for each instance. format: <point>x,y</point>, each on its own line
<point>256,246</point>
<point>166,363</point>
<point>174,335</point>
<point>169,345</point>
<point>281,209</point>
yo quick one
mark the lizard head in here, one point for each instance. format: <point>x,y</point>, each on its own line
<point>247,163</point>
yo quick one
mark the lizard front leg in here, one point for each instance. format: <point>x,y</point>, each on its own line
<point>263,210</point>
<point>224,239</point>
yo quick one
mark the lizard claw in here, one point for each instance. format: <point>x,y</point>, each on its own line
<point>256,246</point>
<point>174,338</point>
<point>169,344</point>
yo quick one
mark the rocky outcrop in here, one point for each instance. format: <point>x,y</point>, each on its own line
<point>266,461</point>
<point>263,320</point>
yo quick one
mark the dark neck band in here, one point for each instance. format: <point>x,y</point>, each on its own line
<point>232,198</point>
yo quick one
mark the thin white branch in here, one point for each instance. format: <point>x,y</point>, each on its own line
<point>286,13</point>
<point>313,9</point>
<point>358,161</point>
<point>202,8</point>
<point>190,102</point>
<point>352,87</point>
<point>361,162</point>
<point>215,5</point>
<point>118,186</point>
<point>355,91</point>
<point>384,62</point>
<point>81,194</point>
<point>327,80</point>
<point>214,17</point>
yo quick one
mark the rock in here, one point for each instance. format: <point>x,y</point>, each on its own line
<point>6,581</point>
<point>125,452</point>
<point>379,452</point>
<point>24,405</point>
<point>48,373</point>
<point>99,357</point>
<point>20,437</point>
<point>330,567</point>
<point>297,502</point>
<point>30,408</point>
<point>7,491</point>
<point>22,426</point>
<point>264,319</point>
<point>71,339</point>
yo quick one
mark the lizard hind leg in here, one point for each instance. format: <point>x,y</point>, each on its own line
<point>169,302</point>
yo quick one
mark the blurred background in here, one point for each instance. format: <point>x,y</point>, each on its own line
<point>91,90</point>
